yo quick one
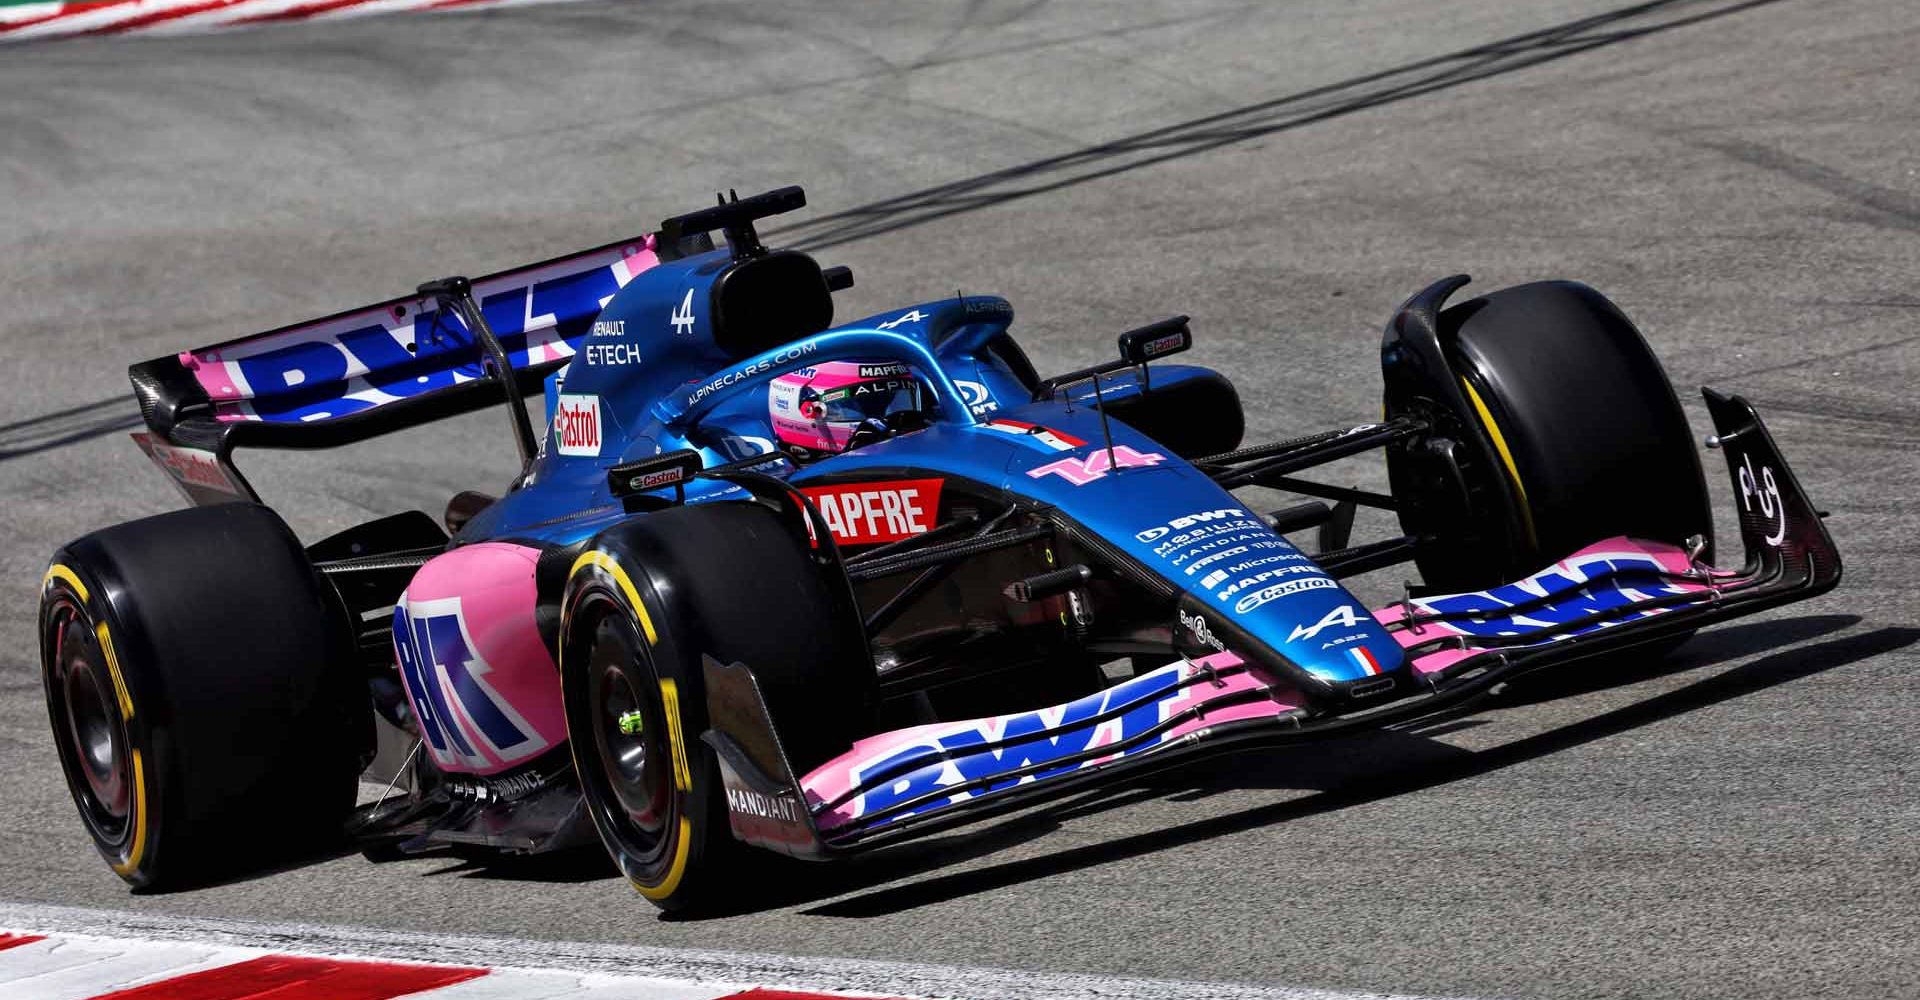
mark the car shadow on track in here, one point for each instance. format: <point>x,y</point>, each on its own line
<point>1373,767</point>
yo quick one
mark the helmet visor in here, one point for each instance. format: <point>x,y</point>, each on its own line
<point>850,404</point>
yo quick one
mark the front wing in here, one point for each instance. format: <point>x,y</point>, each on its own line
<point>1616,593</point>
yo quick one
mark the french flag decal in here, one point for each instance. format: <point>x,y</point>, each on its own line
<point>1365,660</point>
<point>1051,439</point>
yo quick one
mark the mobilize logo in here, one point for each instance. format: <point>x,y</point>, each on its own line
<point>1208,537</point>
<point>1344,616</point>
<point>576,424</point>
<point>871,513</point>
<point>1188,521</point>
<point>1279,590</point>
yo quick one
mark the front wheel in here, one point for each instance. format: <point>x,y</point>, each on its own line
<point>1579,435</point>
<point>646,604</point>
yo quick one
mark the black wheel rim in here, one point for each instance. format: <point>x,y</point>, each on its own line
<point>88,728</point>
<point>629,780</point>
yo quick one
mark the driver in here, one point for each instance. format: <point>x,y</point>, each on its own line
<point>833,407</point>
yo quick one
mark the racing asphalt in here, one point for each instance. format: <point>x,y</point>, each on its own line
<point>1742,177</point>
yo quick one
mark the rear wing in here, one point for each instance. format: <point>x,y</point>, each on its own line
<point>370,371</point>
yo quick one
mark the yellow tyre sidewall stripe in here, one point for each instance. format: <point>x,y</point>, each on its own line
<point>683,842</point>
<point>670,704</point>
<point>59,572</point>
<point>136,852</point>
<point>1506,457</point>
<point>120,692</point>
<point>606,562</point>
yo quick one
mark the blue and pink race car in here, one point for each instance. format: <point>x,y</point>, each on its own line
<point>767,580</point>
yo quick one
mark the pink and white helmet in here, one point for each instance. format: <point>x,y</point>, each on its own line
<point>819,408</point>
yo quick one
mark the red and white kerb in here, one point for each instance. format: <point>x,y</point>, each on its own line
<point>58,18</point>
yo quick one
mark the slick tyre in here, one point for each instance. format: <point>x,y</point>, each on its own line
<point>1589,439</point>
<point>200,683</point>
<point>645,604</point>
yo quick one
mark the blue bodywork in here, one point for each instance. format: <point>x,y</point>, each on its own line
<point>661,383</point>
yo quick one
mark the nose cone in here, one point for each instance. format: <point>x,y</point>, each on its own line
<point>1271,601</point>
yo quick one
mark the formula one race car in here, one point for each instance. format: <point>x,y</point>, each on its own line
<point>770,581</point>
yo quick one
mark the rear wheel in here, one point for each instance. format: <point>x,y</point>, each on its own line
<point>646,604</point>
<point>1582,431</point>
<point>199,682</point>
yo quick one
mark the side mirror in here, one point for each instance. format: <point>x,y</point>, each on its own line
<point>1156,340</point>
<point>675,468</point>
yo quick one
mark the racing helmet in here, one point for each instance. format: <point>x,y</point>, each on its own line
<point>819,409</point>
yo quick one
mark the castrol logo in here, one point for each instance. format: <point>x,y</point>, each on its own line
<point>576,425</point>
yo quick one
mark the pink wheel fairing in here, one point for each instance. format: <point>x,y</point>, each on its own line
<point>480,680</point>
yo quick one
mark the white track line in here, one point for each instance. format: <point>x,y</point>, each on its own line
<point>687,970</point>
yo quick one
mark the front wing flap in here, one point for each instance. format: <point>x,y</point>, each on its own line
<point>1610,595</point>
